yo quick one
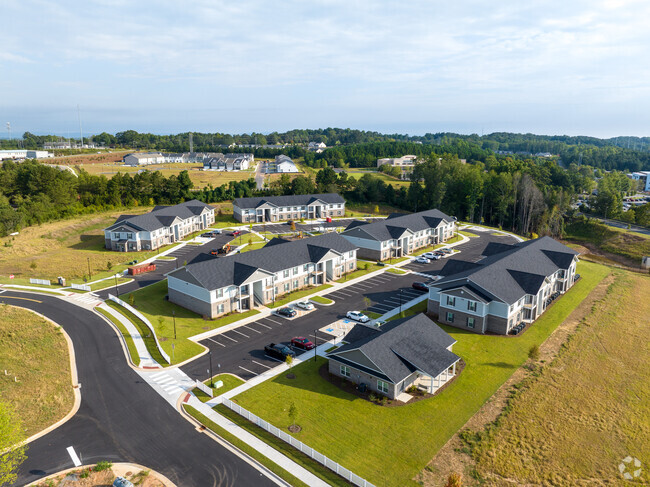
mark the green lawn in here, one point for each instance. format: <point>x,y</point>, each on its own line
<point>233,440</point>
<point>371,314</point>
<point>396,271</point>
<point>364,268</point>
<point>96,286</point>
<point>297,295</point>
<point>403,440</point>
<point>133,352</point>
<point>254,246</point>
<point>229,382</point>
<point>321,300</point>
<point>467,234</point>
<point>150,301</point>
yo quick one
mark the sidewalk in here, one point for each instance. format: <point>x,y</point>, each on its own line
<point>146,360</point>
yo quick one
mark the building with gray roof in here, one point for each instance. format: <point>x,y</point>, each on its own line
<point>161,226</point>
<point>510,285</point>
<point>411,351</point>
<point>244,281</point>
<point>290,207</point>
<point>400,234</point>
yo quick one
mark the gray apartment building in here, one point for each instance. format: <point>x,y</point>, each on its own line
<point>161,226</point>
<point>400,234</point>
<point>510,285</point>
<point>292,207</point>
<point>244,281</point>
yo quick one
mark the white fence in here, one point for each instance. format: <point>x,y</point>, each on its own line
<point>44,282</point>
<point>299,445</point>
<point>81,287</point>
<point>145,321</point>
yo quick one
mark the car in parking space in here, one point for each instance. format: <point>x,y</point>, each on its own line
<point>214,252</point>
<point>431,256</point>
<point>287,312</point>
<point>279,351</point>
<point>357,316</point>
<point>422,260</point>
<point>446,251</point>
<point>420,286</point>
<point>302,342</point>
<point>306,305</point>
<point>235,233</point>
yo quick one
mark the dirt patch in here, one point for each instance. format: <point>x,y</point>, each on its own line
<point>453,457</point>
<point>87,477</point>
<point>294,428</point>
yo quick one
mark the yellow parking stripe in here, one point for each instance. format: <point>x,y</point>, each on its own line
<point>25,299</point>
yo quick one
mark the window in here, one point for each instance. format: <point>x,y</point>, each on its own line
<point>306,281</point>
<point>470,322</point>
<point>351,265</point>
<point>286,287</point>
<point>295,271</point>
<point>382,386</point>
<point>345,371</point>
<point>451,301</point>
<point>305,268</point>
<point>471,305</point>
<point>219,293</point>
<point>286,273</point>
<point>220,309</point>
<point>450,317</point>
<point>295,284</point>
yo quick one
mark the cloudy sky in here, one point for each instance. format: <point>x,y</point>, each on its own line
<point>551,67</point>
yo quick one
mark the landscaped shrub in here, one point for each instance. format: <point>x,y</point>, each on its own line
<point>103,465</point>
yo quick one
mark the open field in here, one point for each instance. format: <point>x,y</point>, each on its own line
<point>341,425</point>
<point>575,420</point>
<point>35,352</point>
<point>150,301</point>
<point>394,182</point>
<point>62,248</point>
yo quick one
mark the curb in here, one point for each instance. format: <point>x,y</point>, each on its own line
<point>116,466</point>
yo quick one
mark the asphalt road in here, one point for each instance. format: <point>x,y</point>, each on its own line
<point>121,418</point>
<point>241,351</point>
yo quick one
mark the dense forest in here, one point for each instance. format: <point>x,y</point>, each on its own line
<point>358,148</point>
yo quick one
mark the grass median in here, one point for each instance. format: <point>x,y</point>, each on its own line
<point>297,295</point>
<point>337,423</point>
<point>133,351</point>
<point>229,383</point>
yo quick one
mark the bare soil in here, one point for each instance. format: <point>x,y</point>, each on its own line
<point>452,458</point>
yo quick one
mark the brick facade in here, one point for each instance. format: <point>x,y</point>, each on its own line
<point>358,377</point>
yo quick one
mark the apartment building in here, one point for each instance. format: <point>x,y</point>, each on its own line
<point>292,207</point>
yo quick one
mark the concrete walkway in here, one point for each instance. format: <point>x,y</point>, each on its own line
<point>146,360</point>
<point>278,458</point>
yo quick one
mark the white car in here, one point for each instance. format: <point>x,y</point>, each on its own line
<point>430,256</point>
<point>357,316</point>
<point>306,305</point>
<point>422,260</point>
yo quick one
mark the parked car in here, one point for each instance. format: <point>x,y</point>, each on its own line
<point>306,305</point>
<point>288,312</point>
<point>357,316</point>
<point>207,235</point>
<point>235,233</point>
<point>431,256</point>
<point>302,342</point>
<point>216,231</point>
<point>439,253</point>
<point>214,252</point>
<point>122,482</point>
<point>422,260</point>
<point>279,351</point>
<point>446,251</point>
<point>420,286</point>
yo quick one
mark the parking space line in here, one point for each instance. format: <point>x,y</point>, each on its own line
<point>273,321</point>
<point>382,306</point>
<point>226,336</point>
<point>249,371</point>
<point>256,362</point>
<point>261,324</point>
<point>252,329</point>
<point>236,331</point>
<point>214,341</point>
<point>365,286</point>
<point>341,292</point>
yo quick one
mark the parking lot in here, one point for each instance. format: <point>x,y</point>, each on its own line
<point>241,351</point>
<point>284,227</point>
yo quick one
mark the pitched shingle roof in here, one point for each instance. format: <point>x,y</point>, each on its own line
<point>514,272</point>
<point>234,270</point>
<point>288,200</point>
<point>162,216</point>
<point>401,347</point>
<point>395,226</point>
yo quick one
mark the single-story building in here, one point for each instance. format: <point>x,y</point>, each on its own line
<point>411,351</point>
<point>162,226</point>
<point>290,207</point>
<point>510,285</point>
<point>251,279</point>
<point>400,234</point>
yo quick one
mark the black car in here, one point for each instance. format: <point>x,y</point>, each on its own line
<point>279,351</point>
<point>288,312</point>
<point>420,286</point>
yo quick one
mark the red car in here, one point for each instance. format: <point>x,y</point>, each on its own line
<point>302,342</point>
<point>235,233</point>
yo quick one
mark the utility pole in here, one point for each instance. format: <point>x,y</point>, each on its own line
<point>315,344</point>
<point>174,316</point>
<point>81,134</point>
<point>117,291</point>
<point>211,376</point>
<point>89,273</point>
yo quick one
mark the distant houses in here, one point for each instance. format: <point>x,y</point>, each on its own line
<point>291,207</point>
<point>510,285</point>
<point>317,147</point>
<point>400,234</point>
<point>19,154</point>
<point>405,164</point>
<point>161,226</point>
<point>212,161</point>
<point>643,177</point>
<point>282,164</point>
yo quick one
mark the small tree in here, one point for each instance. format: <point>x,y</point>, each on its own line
<point>33,265</point>
<point>376,210</point>
<point>533,352</point>
<point>293,414</point>
<point>293,226</point>
<point>109,265</point>
<point>131,299</point>
<point>367,301</point>
<point>454,480</point>
<point>289,361</point>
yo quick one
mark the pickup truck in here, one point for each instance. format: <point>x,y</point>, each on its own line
<point>279,351</point>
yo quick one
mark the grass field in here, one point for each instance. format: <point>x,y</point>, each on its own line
<point>586,410</point>
<point>394,182</point>
<point>402,440</point>
<point>321,300</point>
<point>297,295</point>
<point>35,352</point>
<point>229,382</point>
<point>150,301</point>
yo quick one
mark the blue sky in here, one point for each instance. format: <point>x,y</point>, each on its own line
<point>551,67</point>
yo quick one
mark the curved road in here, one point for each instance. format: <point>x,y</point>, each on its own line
<point>121,418</point>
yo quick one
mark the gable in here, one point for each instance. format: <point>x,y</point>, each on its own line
<point>257,275</point>
<point>359,233</point>
<point>358,357</point>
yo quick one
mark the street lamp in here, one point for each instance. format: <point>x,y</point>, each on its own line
<point>89,268</point>
<point>174,317</point>
<point>211,376</point>
<point>315,344</point>
<point>117,291</point>
<point>400,302</point>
